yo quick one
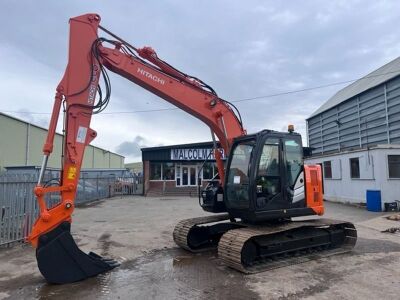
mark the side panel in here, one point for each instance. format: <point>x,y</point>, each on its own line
<point>314,194</point>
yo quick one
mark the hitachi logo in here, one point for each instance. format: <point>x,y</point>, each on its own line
<point>151,76</point>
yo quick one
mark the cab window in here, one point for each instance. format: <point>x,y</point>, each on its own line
<point>294,161</point>
<point>268,180</point>
<point>237,188</point>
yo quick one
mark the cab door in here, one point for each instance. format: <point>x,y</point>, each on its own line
<point>293,185</point>
<point>279,179</point>
<point>268,175</point>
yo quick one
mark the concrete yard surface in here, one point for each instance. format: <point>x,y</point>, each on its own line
<point>137,231</point>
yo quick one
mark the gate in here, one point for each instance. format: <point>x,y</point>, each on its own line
<point>129,184</point>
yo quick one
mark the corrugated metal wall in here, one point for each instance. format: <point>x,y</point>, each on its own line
<point>21,145</point>
<point>370,118</point>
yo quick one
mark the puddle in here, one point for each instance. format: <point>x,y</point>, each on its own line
<point>162,274</point>
<point>177,274</point>
<point>105,243</point>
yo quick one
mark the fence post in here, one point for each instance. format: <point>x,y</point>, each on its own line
<point>97,186</point>
<point>109,187</point>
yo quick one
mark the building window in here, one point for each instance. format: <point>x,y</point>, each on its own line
<point>354,167</point>
<point>168,171</point>
<point>328,169</point>
<point>394,166</point>
<point>155,171</point>
<point>208,171</point>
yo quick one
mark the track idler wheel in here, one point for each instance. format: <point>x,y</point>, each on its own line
<point>61,261</point>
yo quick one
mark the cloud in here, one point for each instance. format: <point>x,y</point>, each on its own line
<point>131,149</point>
<point>241,50</point>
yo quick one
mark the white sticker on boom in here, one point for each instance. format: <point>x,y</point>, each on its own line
<point>236,179</point>
<point>81,137</point>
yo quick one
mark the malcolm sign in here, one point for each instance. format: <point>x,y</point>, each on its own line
<point>194,154</point>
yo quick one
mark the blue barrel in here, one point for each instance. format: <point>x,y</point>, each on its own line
<point>374,202</point>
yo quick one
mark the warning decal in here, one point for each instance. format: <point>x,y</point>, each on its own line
<point>71,173</point>
<point>81,136</point>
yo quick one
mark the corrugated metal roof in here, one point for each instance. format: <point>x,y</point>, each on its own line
<point>373,79</point>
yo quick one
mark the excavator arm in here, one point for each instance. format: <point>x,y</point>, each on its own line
<point>89,58</point>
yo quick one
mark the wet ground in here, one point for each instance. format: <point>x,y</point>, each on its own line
<point>138,232</point>
<point>162,274</point>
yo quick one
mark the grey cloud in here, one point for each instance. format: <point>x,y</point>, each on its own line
<point>242,50</point>
<point>131,148</point>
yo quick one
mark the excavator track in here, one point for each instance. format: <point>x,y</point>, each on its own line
<point>192,236</point>
<point>255,249</point>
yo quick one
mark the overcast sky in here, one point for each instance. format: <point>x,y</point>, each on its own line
<point>243,49</point>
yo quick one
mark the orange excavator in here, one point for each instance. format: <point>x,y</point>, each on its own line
<point>260,188</point>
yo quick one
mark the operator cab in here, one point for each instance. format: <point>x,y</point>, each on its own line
<point>264,178</point>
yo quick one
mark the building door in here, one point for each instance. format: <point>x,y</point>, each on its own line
<point>188,175</point>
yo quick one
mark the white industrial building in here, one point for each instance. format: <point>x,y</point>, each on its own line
<point>349,174</point>
<point>355,136</point>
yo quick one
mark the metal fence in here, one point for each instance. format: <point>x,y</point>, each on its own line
<point>19,207</point>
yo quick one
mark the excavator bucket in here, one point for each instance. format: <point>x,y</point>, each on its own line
<point>61,261</point>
